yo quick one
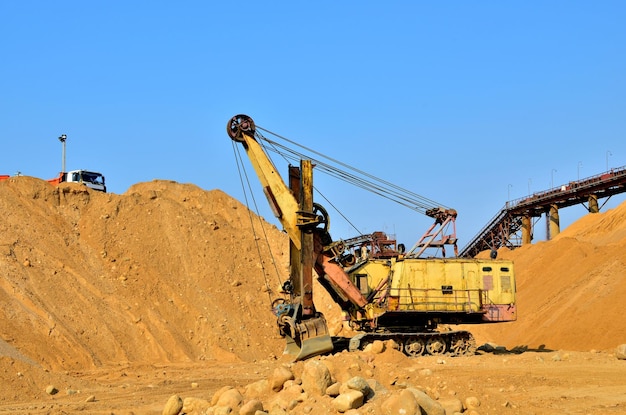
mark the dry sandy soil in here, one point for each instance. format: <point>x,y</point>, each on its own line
<point>120,301</point>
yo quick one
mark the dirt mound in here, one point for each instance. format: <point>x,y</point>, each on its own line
<point>570,290</point>
<point>164,273</point>
<point>168,272</point>
<point>164,282</point>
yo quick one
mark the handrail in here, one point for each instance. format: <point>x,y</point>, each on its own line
<point>441,299</point>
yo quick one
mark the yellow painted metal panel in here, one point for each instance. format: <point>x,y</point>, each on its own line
<point>445,285</point>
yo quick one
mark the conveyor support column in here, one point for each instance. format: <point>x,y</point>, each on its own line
<point>526,230</point>
<point>593,204</point>
<point>554,227</point>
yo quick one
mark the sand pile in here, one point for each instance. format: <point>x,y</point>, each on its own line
<point>570,290</point>
<point>168,272</point>
<point>164,273</point>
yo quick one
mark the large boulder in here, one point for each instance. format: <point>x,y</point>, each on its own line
<point>359,384</point>
<point>402,403</point>
<point>279,377</point>
<point>429,405</point>
<point>173,406</point>
<point>351,399</point>
<point>316,378</point>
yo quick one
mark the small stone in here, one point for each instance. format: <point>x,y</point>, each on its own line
<point>620,352</point>
<point>51,390</point>
<point>376,347</point>
<point>333,390</point>
<point>451,405</point>
<point>90,398</point>
<point>472,402</point>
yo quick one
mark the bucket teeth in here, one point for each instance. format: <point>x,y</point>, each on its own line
<point>313,339</point>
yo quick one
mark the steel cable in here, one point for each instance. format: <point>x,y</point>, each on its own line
<point>359,178</point>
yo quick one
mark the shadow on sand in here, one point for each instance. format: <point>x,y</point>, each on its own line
<point>490,348</point>
<point>342,343</point>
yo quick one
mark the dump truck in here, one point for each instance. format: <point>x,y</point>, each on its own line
<point>385,291</point>
<point>91,179</point>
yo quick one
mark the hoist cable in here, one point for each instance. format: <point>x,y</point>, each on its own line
<point>425,201</point>
<point>340,213</point>
<point>241,168</point>
<point>270,147</point>
<point>347,177</point>
<point>375,185</point>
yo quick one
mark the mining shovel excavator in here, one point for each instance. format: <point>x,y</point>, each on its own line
<point>385,292</point>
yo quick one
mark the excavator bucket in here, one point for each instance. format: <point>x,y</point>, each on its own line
<point>314,340</point>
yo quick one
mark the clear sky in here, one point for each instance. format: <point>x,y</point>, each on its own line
<point>466,103</point>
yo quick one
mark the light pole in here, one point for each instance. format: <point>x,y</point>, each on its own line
<point>608,153</point>
<point>62,139</point>
<point>580,164</point>
<point>552,178</point>
<point>529,182</point>
<point>509,189</point>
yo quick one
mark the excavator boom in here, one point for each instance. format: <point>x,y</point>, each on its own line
<point>305,328</point>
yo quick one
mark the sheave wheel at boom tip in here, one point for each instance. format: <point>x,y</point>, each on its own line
<point>238,125</point>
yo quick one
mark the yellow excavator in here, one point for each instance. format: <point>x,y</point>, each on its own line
<point>384,291</point>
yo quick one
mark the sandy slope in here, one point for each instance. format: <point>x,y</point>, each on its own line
<point>154,286</point>
<point>571,290</point>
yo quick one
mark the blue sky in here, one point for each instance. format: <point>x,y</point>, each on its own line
<point>466,103</point>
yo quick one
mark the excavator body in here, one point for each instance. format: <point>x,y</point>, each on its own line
<point>409,293</point>
<point>385,292</point>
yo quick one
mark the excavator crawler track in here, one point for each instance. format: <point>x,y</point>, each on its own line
<point>451,343</point>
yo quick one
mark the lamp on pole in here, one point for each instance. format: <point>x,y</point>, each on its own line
<point>62,139</point>
<point>529,182</point>
<point>580,164</point>
<point>552,178</point>
<point>608,153</point>
<point>509,189</point>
